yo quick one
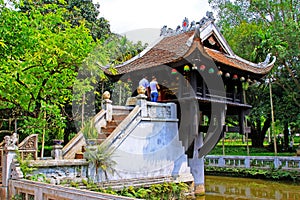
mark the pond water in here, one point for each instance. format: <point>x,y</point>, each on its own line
<point>229,188</point>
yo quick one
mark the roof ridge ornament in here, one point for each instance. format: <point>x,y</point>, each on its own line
<point>185,24</point>
<point>165,31</point>
<point>209,17</point>
<point>266,62</point>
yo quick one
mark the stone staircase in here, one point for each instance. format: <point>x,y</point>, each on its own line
<point>119,114</point>
<point>76,146</point>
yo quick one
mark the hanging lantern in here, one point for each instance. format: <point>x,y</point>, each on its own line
<point>186,68</point>
<point>202,67</point>
<point>211,70</point>
<point>219,73</point>
<point>227,75</point>
<point>249,80</point>
<point>234,77</point>
<point>242,79</point>
<point>129,80</point>
<point>245,85</point>
<point>174,71</point>
<point>194,67</point>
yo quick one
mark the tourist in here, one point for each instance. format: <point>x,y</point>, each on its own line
<point>145,83</point>
<point>154,87</point>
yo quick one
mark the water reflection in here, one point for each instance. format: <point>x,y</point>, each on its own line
<point>221,188</point>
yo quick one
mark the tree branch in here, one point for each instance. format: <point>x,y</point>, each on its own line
<point>292,75</point>
<point>288,91</point>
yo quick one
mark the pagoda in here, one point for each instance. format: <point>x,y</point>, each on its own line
<point>198,71</point>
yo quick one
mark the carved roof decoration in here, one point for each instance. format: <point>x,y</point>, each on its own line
<point>176,45</point>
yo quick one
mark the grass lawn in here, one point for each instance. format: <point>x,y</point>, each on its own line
<point>237,147</point>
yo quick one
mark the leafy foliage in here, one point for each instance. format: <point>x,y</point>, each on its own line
<point>24,164</point>
<point>101,158</point>
<point>51,54</point>
<point>89,130</point>
<point>78,11</point>
<point>253,29</point>
<point>40,178</point>
<point>154,192</point>
<point>17,197</point>
<point>39,60</point>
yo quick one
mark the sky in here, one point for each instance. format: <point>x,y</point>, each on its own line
<point>140,18</point>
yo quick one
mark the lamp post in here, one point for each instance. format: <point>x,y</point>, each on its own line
<point>272,117</point>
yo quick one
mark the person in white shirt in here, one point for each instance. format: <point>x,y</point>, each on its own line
<point>145,83</point>
<point>154,87</point>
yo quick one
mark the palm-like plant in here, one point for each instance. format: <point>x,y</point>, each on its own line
<point>101,158</point>
<point>89,130</point>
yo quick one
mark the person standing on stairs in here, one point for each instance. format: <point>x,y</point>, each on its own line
<point>145,83</point>
<point>154,87</point>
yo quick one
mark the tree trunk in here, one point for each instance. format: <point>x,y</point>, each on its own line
<point>258,134</point>
<point>256,138</point>
<point>286,136</point>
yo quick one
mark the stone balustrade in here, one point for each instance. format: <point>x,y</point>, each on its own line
<point>36,190</point>
<point>263,162</point>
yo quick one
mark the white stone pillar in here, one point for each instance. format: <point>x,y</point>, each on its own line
<point>107,105</point>
<point>142,102</point>
<point>8,156</point>
<point>197,167</point>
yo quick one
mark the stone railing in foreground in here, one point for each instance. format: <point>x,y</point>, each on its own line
<point>37,190</point>
<point>262,162</point>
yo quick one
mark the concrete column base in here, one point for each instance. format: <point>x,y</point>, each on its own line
<point>56,152</point>
<point>199,190</point>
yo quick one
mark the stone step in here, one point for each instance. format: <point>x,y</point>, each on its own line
<point>102,136</point>
<point>107,131</point>
<point>111,126</point>
<point>118,118</point>
<point>119,114</point>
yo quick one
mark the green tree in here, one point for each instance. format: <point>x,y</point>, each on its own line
<point>49,62</point>
<point>91,79</point>
<point>276,31</point>
<point>40,55</point>
<point>121,49</point>
<point>78,10</point>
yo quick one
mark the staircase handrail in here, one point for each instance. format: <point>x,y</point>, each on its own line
<point>123,129</point>
<point>79,136</point>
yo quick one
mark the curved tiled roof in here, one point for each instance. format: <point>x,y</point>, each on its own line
<point>237,63</point>
<point>170,49</point>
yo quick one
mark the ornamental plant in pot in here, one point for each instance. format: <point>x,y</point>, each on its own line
<point>90,132</point>
<point>59,137</point>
